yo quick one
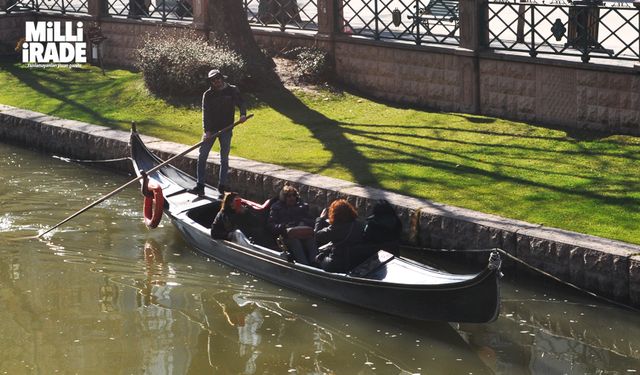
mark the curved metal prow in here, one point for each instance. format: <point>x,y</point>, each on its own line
<point>134,129</point>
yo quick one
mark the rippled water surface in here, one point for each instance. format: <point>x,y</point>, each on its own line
<point>105,295</point>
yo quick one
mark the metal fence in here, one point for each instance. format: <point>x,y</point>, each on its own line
<point>434,21</point>
<point>151,9</point>
<point>581,29</point>
<point>137,9</point>
<point>585,29</point>
<point>57,6</point>
<point>283,14</point>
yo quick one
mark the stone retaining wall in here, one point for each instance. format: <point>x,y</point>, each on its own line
<point>607,267</point>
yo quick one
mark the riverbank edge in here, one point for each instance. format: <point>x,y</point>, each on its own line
<point>607,267</point>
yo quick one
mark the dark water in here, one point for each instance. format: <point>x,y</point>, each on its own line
<point>106,295</point>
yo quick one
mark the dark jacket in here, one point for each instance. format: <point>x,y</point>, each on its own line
<point>338,234</point>
<point>346,250</point>
<point>218,107</point>
<point>223,224</point>
<point>282,216</point>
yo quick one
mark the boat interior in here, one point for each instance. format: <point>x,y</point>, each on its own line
<point>255,235</point>
<point>383,265</point>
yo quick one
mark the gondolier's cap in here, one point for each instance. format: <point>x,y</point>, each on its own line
<point>214,73</point>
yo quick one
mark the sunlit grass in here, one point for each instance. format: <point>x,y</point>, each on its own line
<point>578,181</point>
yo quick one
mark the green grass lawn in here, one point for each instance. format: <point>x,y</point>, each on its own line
<point>576,181</point>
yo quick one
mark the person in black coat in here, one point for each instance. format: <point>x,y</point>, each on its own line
<point>289,217</point>
<point>339,234</point>
<point>228,218</point>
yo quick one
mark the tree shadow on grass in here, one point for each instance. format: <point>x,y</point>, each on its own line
<point>329,132</point>
<point>36,80</point>
<point>337,137</point>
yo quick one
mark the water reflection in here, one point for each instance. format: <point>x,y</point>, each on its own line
<point>542,334</point>
<point>247,329</point>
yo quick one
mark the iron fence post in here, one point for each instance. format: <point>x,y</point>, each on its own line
<point>636,3</point>
<point>416,21</point>
<point>200,9</point>
<point>327,17</point>
<point>533,51</point>
<point>377,17</point>
<point>97,8</point>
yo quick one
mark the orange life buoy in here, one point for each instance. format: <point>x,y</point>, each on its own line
<point>153,205</point>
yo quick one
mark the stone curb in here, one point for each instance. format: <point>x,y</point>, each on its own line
<point>606,267</point>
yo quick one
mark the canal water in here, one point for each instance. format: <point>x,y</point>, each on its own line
<point>105,295</point>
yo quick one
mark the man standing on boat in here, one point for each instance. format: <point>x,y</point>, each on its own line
<point>218,111</point>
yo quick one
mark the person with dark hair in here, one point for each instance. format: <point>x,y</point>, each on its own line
<point>228,217</point>
<point>289,217</point>
<point>383,226</point>
<point>338,232</point>
<point>218,111</point>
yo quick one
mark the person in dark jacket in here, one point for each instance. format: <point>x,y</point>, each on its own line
<point>228,218</point>
<point>338,233</point>
<point>218,111</point>
<point>289,217</point>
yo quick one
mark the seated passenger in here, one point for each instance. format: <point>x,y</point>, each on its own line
<point>289,217</point>
<point>383,226</point>
<point>228,219</point>
<point>338,232</point>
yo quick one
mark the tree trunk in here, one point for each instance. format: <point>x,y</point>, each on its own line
<point>228,24</point>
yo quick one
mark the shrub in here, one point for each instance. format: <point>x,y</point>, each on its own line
<point>177,64</point>
<point>314,65</point>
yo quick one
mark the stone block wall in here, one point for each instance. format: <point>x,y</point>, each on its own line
<point>609,268</point>
<point>409,75</point>
<point>571,95</point>
<point>11,30</point>
<point>579,97</point>
<point>124,36</point>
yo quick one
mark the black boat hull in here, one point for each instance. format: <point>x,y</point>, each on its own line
<point>471,299</point>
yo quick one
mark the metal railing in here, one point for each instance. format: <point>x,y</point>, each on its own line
<point>585,29</point>
<point>57,6</point>
<point>418,21</point>
<point>164,10</point>
<point>283,14</point>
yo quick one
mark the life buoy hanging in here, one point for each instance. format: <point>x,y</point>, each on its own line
<point>153,205</point>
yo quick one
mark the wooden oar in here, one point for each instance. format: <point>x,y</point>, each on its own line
<point>116,191</point>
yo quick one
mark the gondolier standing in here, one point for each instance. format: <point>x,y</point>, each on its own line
<point>218,111</point>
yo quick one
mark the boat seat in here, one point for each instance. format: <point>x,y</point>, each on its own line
<point>373,263</point>
<point>239,238</point>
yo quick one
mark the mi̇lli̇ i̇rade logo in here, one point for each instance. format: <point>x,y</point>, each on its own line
<point>53,43</point>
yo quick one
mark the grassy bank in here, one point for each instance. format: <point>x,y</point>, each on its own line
<point>580,181</point>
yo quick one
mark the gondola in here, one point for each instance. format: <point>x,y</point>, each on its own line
<point>385,283</point>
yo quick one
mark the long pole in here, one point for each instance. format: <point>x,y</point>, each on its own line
<point>116,191</point>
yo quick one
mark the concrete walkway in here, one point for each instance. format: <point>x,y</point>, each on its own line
<point>606,267</point>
